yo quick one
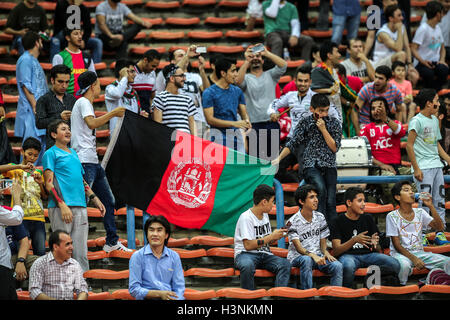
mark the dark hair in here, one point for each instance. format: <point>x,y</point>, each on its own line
<point>425,95</point>
<point>159,219</point>
<point>53,238</point>
<point>351,193</point>
<point>120,64</point>
<point>59,69</point>
<point>315,47</point>
<point>169,71</point>
<point>53,126</point>
<point>172,53</point>
<point>223,64</point>
<point>326,48</point>
<point>386,107</point>
<point>389,11</point>
<point>31,143</point>
<point>396,64</point>
<point>341,70</point>
<point>302,192</point>
<point>385,71</point>
<point>215,57</point>
<point>319,100</point>
<point>395,191</point>
<point>151,55</point>
<point>433,8</point>
<point>29,40</point>
<point>263,191</point>
<point>304,68</point>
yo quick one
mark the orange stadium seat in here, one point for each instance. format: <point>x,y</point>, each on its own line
<point>3,51</point>
<point>23,295</point>
<point>239,293</point>
<point>226,49</point>
<point>173,48</point>
<point>46,66</point>
<point>295,63</point>
<point>162,5</point>
<point>342,292</point>
<point>285,79</point>
<point>392,292</point>
<point>7,5</point>
<point>234,34</point>
<point>259,273</point>
<point>106,274</point>
<point>435,291</point>
<point>6,37</point>
<point>212,241</point>
<point>140,36</point>
<point>101,151</point>
<point>287,210</point>
<point>220,252</point>
<point>290,187</point>
<point>7,98</point>
<point>198,3</point>
<point>178,242</point>
<point>141,50</point>
<point>280,252</point>
<point>422,3</point>
<point>121,254</point>
<point>209,273</point>
<point>182,22</point>
<point>162,64</point>
<point>100,66</point>
<point>165,35</point>
<point>287,292</point>
<point>205,35</point>
<point>122,294</point>
<point>104,81</point>
<point>47,6</point>
<point>194,64</point>
<point>7,67</point>
<point>220,21</point>
<point>96,255</point>
<point>153,21</point>
<point>3,22</point>
<point>192,294</point>
<point>102,133</point>
<point>99,296</point>
<point>233,4</point>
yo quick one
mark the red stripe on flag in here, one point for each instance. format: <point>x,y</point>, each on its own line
<point>187,191</point>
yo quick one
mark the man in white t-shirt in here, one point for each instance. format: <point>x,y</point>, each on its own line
<point>429,50</point>
<point>252,238</point>
<point>83,125</point>
<point>405,226</point>
<point>308,232</point>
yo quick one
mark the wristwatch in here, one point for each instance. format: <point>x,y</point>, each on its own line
<point>21,260</point>
<point>387,120</point>
<point>92,196</point>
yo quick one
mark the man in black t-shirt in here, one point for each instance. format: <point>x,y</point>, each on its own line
<point>355,239</point>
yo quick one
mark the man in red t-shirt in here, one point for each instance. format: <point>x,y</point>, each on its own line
<point>384,135</point>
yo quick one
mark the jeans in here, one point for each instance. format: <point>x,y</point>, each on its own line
<point>435,77</point>
<point>248,262</point>
<point>128,34</point>
<point>352,262</point>
<point>94,44</point>
<point>324,179</point>
<point>17,44</point>
<point>343,22</point>
<point>276,40</point>
<point>95,176</point>
<point>36,232</point>
<point>262,145</point>
<point>224,139</point>
<point>307,265</point>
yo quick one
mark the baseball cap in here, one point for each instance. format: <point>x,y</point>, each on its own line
<point>85,80</point>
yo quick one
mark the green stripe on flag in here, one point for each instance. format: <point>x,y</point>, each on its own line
<point>234,194</point>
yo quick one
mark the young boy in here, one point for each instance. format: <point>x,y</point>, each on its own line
<point>322,136</point>
<point>64,182</point>
<point>425,152</point>
<point>33,192</point>
<point>405,225</point>
<point>252,238</point>
<point>405,87</point>
<point>308,232</point>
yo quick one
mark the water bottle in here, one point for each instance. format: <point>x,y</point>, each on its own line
<point>422,196</point>
<point>286,55</point>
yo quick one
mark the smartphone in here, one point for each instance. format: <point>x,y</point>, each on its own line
<point>200,50</point>
<point>258,48</point>
<point>5,183</point>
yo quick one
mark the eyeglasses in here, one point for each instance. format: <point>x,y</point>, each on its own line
<point>183,75</point>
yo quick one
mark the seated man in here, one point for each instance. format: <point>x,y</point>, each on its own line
<point>357,64</point>
<point>405,226</point>
<point>57,276</point>
<point>109,26</point>
<point>282,28</point>
<point>308,232</point>
<point>252,238</point>
<point>155,270</point>
<point>355,239</point>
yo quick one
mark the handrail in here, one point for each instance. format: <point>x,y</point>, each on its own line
<point>279,202</point>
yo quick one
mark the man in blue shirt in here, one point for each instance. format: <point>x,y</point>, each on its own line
<point>155,270</point>
<point>221,104</point>
<point>32,84</point>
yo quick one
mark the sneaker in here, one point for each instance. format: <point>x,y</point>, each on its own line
<point>118,246</point>
<point>425,241</point>
<point>440,239</point>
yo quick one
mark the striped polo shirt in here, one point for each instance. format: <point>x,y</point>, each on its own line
<point>367,93</point>
<point>176,109</point>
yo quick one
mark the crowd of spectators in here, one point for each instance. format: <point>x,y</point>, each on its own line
<point>334,95</point>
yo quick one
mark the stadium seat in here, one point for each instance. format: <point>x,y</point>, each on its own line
<point>234,34</point>
<point>3,22</point>
<point>101,151</point>
<point>166,35</point>
<point>102,133</point>
<point>295,63</point>
<point>292,293</point>
<point>285,79</point>
<point>162,64</point>
<point>47,6</point>
<point>6,37</point>
<point>221,21</point>
<point>104,81</point>
<point>173,243</point>
<point>343,292</point>
<point>106,274</point>
<point>378,208</point>
<point>100,66</point>
<point>173,48</point>
<point>290,187</point>
<point>287,210</point>
<point>8,98</point>
<point>212,241</point>
<point>191,294</point>
<point>190,254</point>
<point>280,252</point>
<point>12,81</point>
<point>121,254</point>
<point>182,22</point>
<point>153,21</point>
<point>123,212</point>
<point>194,64</point>
<point>46,66</point>
<point>99,113</point>
<point>387,292</point>
<point>102,240</point>
<point>198,3</point>
<point>226,49</point>
<point>204,35</point>
<point>122,294</point>
<point>91,4</point>
<point>96,255</point>
<point>435,291</point>
<point>239,293</point>
<point>3,51</point>
<point>317,33</point>
<point>341,208</point>
<point>139,51</point>
<point>209,273</point>
<point>7,67</point>
<point>162,5</point>
<point>229,4</point>
<point>220,252</point>
<point>23,295</point>
<point>419,3</point>
<point>99,296</point>
<point>438,249</point>
<point>259,273</point>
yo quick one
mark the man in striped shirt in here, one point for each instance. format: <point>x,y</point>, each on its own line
<point>171,108</point>
<point>380,87</point>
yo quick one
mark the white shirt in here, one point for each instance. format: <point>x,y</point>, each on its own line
<point>444,25</point>
<point>249,227</point>
<point>83,139</point>
<point>8,218</point>
<point>191,88</point>
<point>380,50</point>
<point>430,41</point>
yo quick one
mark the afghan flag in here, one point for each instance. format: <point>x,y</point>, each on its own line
<point>194,183</point>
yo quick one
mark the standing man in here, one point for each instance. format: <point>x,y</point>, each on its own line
<point>252,238</point>
<point>109,28</point>
<point>357,64</point>
<point>56,103</point>
<point>282,28</point>
<point>155,270</point>
<point>74,58</point>
<point>9,218</point>
<point>425,152</point>
<point>145,80</point>
<point>84,122</point>
<point>172,108</point>
<point>259,91</point>
<point>346,15</point>
<point>32,84</point>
